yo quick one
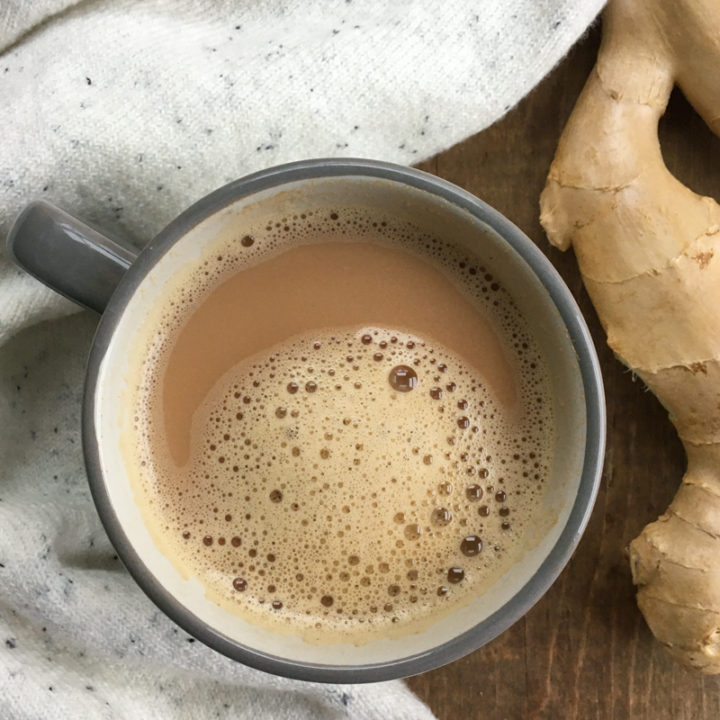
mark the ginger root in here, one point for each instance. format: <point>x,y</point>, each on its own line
<point>649,253</point>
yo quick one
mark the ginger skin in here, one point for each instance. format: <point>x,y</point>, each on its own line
<point>648,249</point>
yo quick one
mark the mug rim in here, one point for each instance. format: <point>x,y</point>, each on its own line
<point>579,336</point>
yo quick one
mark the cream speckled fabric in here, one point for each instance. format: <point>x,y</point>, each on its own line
<point>124,112</point>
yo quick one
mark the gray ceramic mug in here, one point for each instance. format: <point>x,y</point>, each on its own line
<point>111,278</point>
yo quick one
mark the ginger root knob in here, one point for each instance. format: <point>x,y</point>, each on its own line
<point>648,249</point>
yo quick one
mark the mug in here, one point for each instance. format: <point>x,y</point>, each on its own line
<point>113,279</point>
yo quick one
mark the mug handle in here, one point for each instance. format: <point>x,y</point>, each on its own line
<point>74,259</point>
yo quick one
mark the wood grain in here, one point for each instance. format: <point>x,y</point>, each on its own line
<point>584,651</point>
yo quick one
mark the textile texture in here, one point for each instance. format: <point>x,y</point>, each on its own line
<point>124,112</point>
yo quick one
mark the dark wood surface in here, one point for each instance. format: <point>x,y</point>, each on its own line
<point>584,650</point>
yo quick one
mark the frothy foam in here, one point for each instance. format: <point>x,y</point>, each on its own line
<point>347,482</point>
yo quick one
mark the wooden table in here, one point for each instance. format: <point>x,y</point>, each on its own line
<point>584,650</point>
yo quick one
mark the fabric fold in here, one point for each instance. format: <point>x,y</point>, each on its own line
<point>124,113</point>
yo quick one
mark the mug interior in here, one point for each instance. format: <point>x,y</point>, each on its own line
<point>486,615</point>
